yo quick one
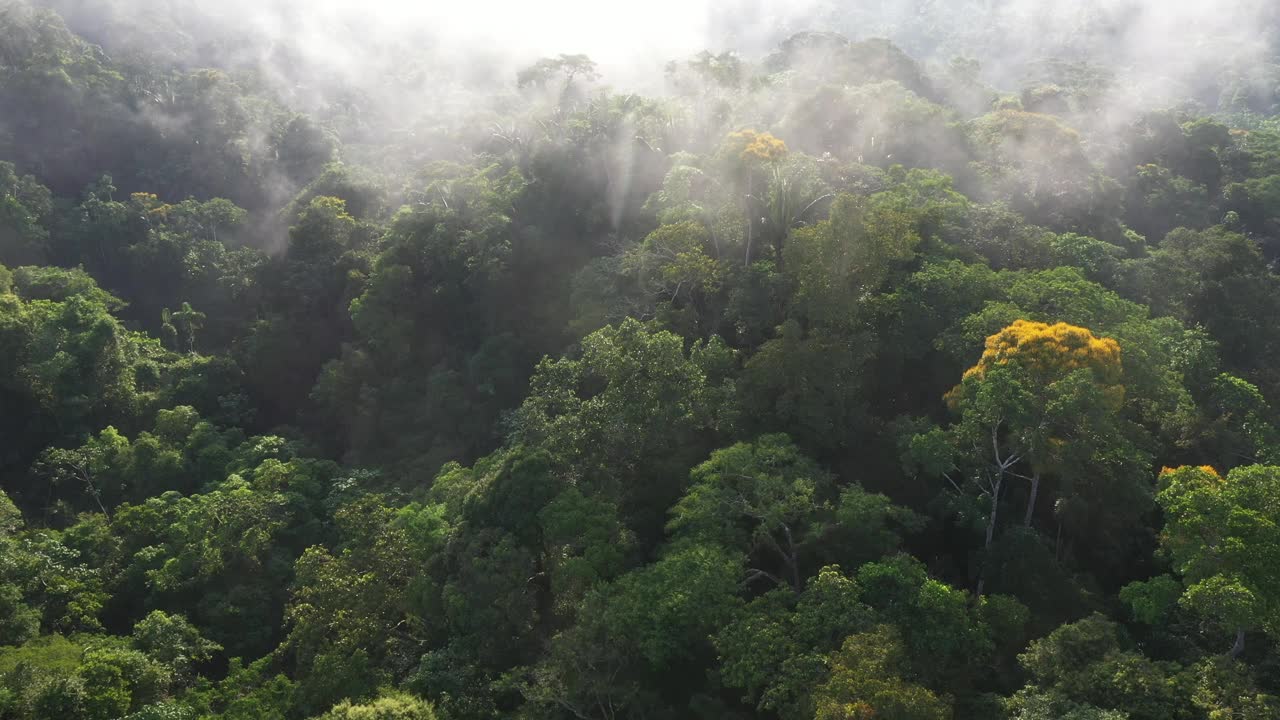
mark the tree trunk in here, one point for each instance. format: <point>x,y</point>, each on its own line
<point>1238,647</point>
<point>991,533</point>
<point>995,511</point>
<point>93,492</point>
<point>793,561</point>
<point>1031,501</point>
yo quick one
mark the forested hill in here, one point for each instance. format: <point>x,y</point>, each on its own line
<point>827,377</point>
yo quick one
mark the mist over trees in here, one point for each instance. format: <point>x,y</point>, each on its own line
<point>721,359</point>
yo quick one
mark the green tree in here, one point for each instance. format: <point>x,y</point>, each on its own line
<point>25,207</point>
<point>636,629</point>
<point>68,365</point>
<point>174,642</point>
<point>774,647</point>
<point>1218,279</point>
<point>1031,705</point>
<point>188,322</point>
<point>388,706</point>
<point>19,621</point>
<point>566,67</point>
<point>631,414</point>
<point>866,682</point>
<point>361,598</point>
<point>673,269</point>
<point>1222,539</point>
<point>839,263</point>
<point>759,498</point>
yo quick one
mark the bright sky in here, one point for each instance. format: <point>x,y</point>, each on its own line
<point>609,31</point>
<point>612,32</point>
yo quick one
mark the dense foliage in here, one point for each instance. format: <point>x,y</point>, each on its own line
<point>825,385</point>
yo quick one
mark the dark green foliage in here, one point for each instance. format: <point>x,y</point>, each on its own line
<point>832,383</point>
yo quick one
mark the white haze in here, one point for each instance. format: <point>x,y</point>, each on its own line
<point>632,38</point>
<point>392,73</point>
<point>415,55</point>
<point>630,41</point>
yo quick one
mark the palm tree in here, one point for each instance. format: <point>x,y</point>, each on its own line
<point>188,322</point>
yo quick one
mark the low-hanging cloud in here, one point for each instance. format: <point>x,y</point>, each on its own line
<point>355,40</point>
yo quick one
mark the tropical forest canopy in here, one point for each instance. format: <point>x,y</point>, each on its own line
<point>893,360</point>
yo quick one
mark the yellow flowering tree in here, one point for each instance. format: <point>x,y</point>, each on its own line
<point>779,188</point>
<point>1042,401</point>
<point>750,153</point>
<point>757,147</point>
<point>1045,354</point>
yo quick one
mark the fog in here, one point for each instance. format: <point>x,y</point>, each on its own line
<point>348,40</point>
<point>401,83</point>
